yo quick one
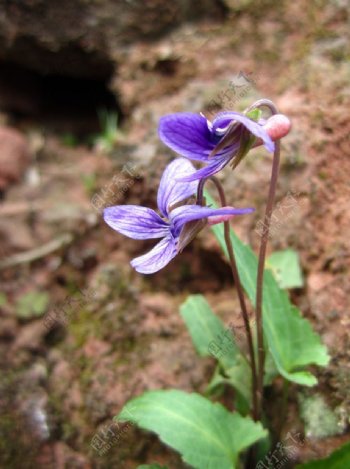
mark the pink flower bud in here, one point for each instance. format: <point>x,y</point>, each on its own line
<point>277,126</point>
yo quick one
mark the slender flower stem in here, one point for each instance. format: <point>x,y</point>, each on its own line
<point>262,254</point>
<point>239,288</point>
<point>260,275</point>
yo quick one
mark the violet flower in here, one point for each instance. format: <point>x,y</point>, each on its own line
<point>213,143</point>
<point>176,223</point>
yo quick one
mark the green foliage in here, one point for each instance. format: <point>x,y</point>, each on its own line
<point>204,327</point>
<point>110,134</point>
<point>205,434</point>
<point>285,266</point>
<point>70,140</point>
<point>290,338</point>
<point>151,466</point>
<point>89,182</point>
<point>248,141</point>
<point>32,304</point>
<point>211,338</point>
<point>339,459</point>
<point>255,114</point>
<point>3,299</point>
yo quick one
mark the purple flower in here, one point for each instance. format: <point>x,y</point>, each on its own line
<point>214,143</point>
<point>177,222</point>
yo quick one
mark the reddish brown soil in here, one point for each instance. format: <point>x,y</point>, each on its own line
<point>59,387</point>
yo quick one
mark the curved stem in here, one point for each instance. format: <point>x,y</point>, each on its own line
<point>263,103</point>
<point>239,288</point>
<point>200,191</point>
<point>260,274</point>
<point>262,253</point>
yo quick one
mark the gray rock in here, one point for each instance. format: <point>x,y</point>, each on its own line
<point>77,38</point>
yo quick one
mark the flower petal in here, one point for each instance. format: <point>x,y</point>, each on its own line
<point>222,120</point>
<point>156,258</point>
<point>187,134</point>
<point>216,164</point>
<point>171,191</point>
<point>136,222</point>
<point>182,215</point>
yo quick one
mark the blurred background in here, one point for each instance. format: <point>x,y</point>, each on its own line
<point>82,87</point>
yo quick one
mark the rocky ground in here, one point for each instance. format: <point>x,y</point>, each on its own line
<point>120,333</point>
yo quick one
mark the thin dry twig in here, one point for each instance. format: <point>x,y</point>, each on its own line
<point>17,208</point>
<point>37,253</point>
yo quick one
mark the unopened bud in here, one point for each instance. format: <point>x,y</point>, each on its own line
<point>277,126</point>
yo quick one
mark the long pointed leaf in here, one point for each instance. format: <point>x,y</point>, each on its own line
<point>290,338</point>
<point>211,338</point>
<point>205,328</point>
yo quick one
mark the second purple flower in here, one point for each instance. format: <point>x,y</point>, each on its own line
<point>213,143</point>
<point>175,223</point>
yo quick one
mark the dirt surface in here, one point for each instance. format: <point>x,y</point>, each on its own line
<point>120,333</point>
<point>84,38</point>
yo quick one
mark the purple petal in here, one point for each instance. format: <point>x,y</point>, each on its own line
<point>216,165</point>
<point>136,222</point>
<point>182,215</point>
<point>187,134</point>
<point>170,190</point>
<point>156,258</point>
<point>223,119</point>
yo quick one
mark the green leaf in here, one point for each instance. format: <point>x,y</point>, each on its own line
<point>271,371</point>
<point>290,338</point>
<point>285,266</point>
<point>32,304</point>
<point>339,459</point>
<point>255,114</point>
<point>247,139</point>
<point>3,299</point>
<point>212,338</point>
<point>151,466</point>
<point>90,183</point>
<point>205,434</point>
<point>205,328</point>
<point>239,377</point>
<point>70,140</point>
